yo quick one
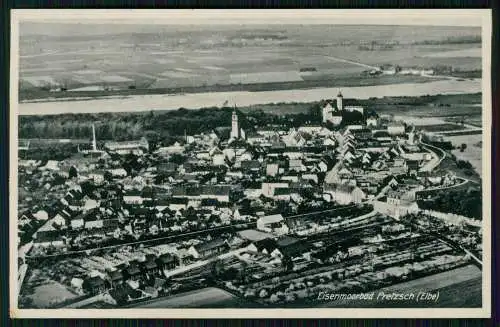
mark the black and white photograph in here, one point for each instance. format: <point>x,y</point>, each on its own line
<point>239,163</point>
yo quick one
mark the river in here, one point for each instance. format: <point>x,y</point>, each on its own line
<point>243,98</point>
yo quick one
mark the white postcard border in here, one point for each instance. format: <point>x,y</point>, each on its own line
<point>435,17</point>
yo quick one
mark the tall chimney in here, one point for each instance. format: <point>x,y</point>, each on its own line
<point>94,142</point>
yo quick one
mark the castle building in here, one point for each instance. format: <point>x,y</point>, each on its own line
<point>333,114</point>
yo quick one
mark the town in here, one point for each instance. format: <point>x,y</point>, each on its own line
<point>272,216</point>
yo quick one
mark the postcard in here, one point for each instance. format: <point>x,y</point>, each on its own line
<point>250,164</point>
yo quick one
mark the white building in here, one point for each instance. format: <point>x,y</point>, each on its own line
<point>273,224</point>
<point>396,129</point>
<point>345,194</point>
<point>372,121</point>
<point>135,147</point>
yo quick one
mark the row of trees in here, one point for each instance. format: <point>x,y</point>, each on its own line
<point>465,202</point>
<point>160,125</point>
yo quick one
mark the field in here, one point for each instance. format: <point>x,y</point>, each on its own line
<point>203,298</point>
<point>42,292</point>
<point>473,152</point>
<point>460,287</point>
<point>441,127</point>
<point>156,57</point>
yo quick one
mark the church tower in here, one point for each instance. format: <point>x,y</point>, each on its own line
<point>340,104</point>
<point>235,128</point>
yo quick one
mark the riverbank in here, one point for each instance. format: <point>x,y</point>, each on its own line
<point>242,98</point>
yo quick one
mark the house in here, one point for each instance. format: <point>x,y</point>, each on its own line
<point>398,166</point>
<point>211,248</point>
<point>267,246</point>
<point>296,165</point>
<point>273,224</point>
<point>60,219</point>
<point>272,169</point>
<point>345,194</point>
<point>132,272</point>
<point>282,194</point>
<point>222,193</point>
<point>94,224</point>
<point>133,197</point>
<point>150,266</point>
<point>178,203</point>
<point>94,285</point>
<point>115,277</point>
<point>396,128</point>
<point>176,148</point>
<point>97,177</point>
<point>118,172</point>
<point>136,147</point>
<point>330,141</point>
<point>41,215</point>
<point>251,166</point>
<point>167,261</point>
<point>413,167</point>
<point>295,139</point>
<point>395,206</point>
<point>310,177</point>
<point>77,283</point>
<point>372,121</point>
<point>268,189</point>
<point>281,248</point>
<point>77,222</point>
<point>25,219</point>
<point>243,213</point>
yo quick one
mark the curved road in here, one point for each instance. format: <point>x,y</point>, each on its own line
<point>430,166</point>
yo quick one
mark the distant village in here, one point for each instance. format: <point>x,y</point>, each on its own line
<point>269,215</point>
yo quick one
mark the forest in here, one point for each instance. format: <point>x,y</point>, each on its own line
<point>163,127</point>
<point>464,202</point>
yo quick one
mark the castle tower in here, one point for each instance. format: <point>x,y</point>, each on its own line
<point>340,98</point>
<point>235,128</point>
<point>94,141</point>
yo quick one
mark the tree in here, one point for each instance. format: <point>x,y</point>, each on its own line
<point>287,263</point>
<point>463,147</point>
<point>108,176</point>
<point>177,158</point>
<point>73,172</point>
<point>153,139</point>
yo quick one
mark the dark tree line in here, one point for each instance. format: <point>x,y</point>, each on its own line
<point>465,202</point>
